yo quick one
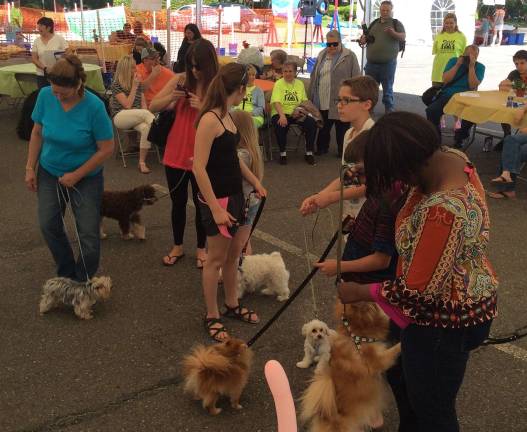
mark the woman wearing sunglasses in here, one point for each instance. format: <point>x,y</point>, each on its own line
<point>334,64</point>
<point>184,93</point>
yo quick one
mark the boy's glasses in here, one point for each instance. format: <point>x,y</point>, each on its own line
<point>346,101</point>
<point>332,44</point>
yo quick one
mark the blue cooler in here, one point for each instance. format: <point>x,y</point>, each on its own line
<point>233,49</point>
<point>310,64</point>
<point>520,38</point>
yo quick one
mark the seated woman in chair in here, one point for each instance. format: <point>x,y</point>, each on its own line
<point>274,71</point>
<point>128,106</point>
<point>254,101</point>
<point>288,93</point>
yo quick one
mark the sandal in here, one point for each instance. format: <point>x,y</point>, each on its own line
<point>500,179</point>
<point>502,195</point>
<point>214,332</point>
<point>199,263</point>
<point>170,260</point>
<point>143,168</point>
<point>238,313</point>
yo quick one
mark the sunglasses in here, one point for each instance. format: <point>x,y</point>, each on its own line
<point>245,78</point>
<point>195,66</point>
<point>332,44</point>
<point>346,101</point>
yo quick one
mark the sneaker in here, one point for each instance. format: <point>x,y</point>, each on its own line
<point>310,159</point>
<point>283,160</point>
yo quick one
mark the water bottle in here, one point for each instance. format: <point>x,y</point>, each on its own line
<point>510,99</point>
<point>487,144</point>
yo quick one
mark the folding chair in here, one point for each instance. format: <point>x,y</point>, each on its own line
<point>123,153</point>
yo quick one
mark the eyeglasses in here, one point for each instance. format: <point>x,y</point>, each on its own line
<point>332,44</point>
<point>195,66</point>
<point>346,101</point>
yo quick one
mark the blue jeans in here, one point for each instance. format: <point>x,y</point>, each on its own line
<point>514,146</point>
<point>433,364</point>
<point>384,74</point>
<point>86,199</point>
<point>434,112</point>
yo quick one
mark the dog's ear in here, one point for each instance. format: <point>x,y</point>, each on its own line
<point>305,329</point>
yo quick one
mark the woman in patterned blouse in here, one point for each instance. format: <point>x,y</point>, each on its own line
<point>444,294</point>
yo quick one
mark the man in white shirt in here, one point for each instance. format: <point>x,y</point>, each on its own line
<point>45,48</point>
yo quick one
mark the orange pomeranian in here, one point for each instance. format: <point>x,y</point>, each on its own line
<point>222,369</point>
<point>348,393</point>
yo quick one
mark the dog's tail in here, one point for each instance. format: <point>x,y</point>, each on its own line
<point>320,399</point>
<point>203,361</point>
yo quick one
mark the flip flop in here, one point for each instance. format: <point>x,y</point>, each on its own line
<point>500,179</point>
<point>175,259</point>
<point>200,262</point>
<point>500,195</point>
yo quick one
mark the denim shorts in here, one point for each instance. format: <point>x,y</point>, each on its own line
<point>251,214</point>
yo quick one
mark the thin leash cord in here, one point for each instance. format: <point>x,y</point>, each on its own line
<point>516,335</point>
<point>308,263</point>
<point>296,292</point>
<point>67,199</point>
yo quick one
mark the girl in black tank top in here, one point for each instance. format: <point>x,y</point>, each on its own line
<point>219,173</point>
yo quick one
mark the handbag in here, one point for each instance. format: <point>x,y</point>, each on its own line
<point>160,128</point>
<point>432,93</point>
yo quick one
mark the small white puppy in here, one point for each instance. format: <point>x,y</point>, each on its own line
<point>264,272</point>
<point>317,348</point>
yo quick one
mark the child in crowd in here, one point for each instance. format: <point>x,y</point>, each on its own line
<point>254,101</point>
<point>219,173</point>
<point>249,154</point>
<point>357,98</point>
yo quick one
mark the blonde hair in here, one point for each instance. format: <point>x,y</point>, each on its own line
<point>249,140</point>
<point>123,72</point>
<point>449,16</point>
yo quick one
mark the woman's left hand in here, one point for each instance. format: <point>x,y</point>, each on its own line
<point>69,179</point>
<point>351,292</point>
<point>328,267</point>
<point>260,190</point>
<point>195,101</point>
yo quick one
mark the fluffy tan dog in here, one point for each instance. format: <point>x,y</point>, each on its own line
<point>347,394</point>
<point>222,369</point>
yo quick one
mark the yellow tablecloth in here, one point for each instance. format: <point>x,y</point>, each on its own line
<point>10,87</point>
<point>223,60</point>
<point>484,106</point>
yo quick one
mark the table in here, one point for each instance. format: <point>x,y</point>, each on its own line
<point>484,106</point>
<point>112,52</point>
<point>9,85</point>
<point>223,60</point>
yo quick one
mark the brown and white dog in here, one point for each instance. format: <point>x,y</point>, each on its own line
<point>213,371</point>
<point>124,206</point>
<point>348,393</point>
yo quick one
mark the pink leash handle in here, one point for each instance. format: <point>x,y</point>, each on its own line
<point>283,399</point>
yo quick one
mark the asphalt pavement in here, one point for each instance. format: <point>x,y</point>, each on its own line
<point>120,371</point>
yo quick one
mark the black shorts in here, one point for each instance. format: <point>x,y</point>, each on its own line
<point>234,204</point>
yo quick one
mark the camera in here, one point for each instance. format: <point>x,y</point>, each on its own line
<point>366,33</point>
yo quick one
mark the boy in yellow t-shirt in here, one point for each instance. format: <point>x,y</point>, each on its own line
<point>288,93</point>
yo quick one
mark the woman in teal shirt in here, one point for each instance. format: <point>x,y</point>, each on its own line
<point>71,138</point>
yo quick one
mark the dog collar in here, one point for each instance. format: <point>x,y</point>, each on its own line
<point>357,340</point>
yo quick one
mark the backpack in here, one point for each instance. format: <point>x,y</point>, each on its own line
<point>402,44</point>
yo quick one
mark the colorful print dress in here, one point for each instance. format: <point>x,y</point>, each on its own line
<point>444,278</point>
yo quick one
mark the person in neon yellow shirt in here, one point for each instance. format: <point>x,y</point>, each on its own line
<point>449,43</point>
<point>254,101</point>
<point>288,93</point>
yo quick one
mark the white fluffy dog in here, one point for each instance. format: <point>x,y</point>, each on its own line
<point>317,348</point>
<point>266,273</point>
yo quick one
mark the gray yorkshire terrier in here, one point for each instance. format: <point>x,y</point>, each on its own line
<point>81,295</point>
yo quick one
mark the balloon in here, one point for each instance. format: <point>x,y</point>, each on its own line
<point>283,399</point>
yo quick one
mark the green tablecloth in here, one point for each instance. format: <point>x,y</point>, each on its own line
<point>9,86</point>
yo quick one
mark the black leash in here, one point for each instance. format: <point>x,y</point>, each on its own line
<point>516,335</point>
<point>299,289</point>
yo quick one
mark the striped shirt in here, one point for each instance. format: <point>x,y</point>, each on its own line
<point>324,84</point>
<point>115,105</point>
